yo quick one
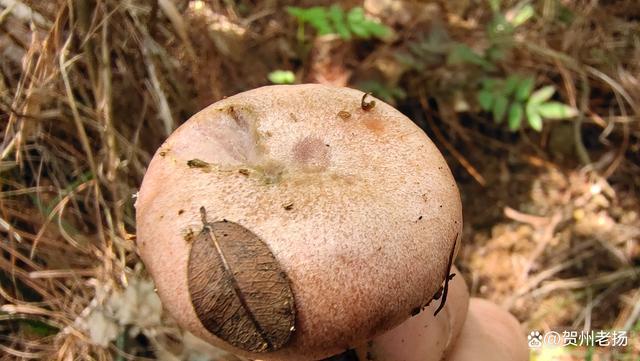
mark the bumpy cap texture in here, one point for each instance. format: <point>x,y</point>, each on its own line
<point>356,205</point>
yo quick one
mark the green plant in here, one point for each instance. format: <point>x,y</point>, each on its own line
<point>282,77</point>
<point>514,98</point>
<point>334,20</point>
<point>476,71</point>
<point>439,49</point>
<point>499,32</point>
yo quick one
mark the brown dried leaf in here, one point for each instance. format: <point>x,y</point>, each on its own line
<point>238,289</point>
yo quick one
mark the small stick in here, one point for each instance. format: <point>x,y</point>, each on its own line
<point>203,216</point>
<point>366,106</point>
<point>463,161</point>
<point>449,276</point>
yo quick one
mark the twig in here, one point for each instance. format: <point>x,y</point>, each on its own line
<point>24,13</point>
<point>63,273</point>
<point>635,313</point>
<point>171,12</point>
<point>463,161</point>
<point>544,275</point>
<point>535,221</point>
<point>580,282</point>
<point>581,150</point>
<point>23,355</point>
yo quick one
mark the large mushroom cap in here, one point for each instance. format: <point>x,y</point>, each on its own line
<point>296,206</point>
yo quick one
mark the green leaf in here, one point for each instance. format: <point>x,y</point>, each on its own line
<point>337,19</point>
<point>308,14</point>
<point>542,95</point>
<point>356,14</point>
<point>535,121</point>
<point>282,77</point>
<point>565,15</point>
<point>355,18</point>
<point>499,27</point>
<point>316,16</point>
<point>489,83</point>
<point>515,116</point>
<point>376,29</point>
<point>332,20</point>
<point>496,53</point>
<point>363,27</point>
<point>296,12</point>
<point>38,328</point>
<point>524,89</point>
<point>556,110</point>
<point>533,118</point>
<point>511,84</point>
<point>485,99</point>
<point>500,103</point>
<point>495,5</point>
<point>407,59</point>
<point>359,30</point>
<point>531,110</point>
<point>461,54</point>
<point>522,15</point>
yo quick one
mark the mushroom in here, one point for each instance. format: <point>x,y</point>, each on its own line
<point>466,329</point>
<point>489,333</point>
<point>294,222</point>
<point>425,337</point>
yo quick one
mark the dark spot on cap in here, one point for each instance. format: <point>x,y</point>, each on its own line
<point>197,163</point>
<point>238,117</point>
<point>374,123</point>
<point>189,235</point>
<point>344,114</point>
<point>311,153</point>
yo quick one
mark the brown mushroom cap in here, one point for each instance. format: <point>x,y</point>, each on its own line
<point>357,206</point>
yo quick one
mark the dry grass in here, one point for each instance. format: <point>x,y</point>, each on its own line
<point>90,97</point>
<point>89,90</point>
